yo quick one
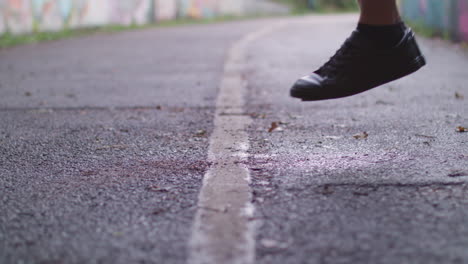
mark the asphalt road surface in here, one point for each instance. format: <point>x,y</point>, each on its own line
<point>182,145</point>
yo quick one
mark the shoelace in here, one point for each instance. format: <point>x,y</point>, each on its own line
<point>337,61</point>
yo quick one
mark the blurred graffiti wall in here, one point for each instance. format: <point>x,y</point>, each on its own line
<point>444,17</point>
<point>23,16</point>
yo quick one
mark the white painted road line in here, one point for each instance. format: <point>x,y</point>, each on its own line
<point>223,231</point>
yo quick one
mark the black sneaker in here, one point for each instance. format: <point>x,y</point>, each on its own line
<point>359,66</point>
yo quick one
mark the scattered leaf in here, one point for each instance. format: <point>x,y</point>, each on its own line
<point>381,102</point>
<point>461,129</point>
<point>327,190</point>
<point>155,188</point>
<point>256,115</point>
<point>360,193</point>
<point>176,109</point>
<point>159,211</point>
<point>88,173</point>
<point>274,125</point>
<point>363,135</point>
<point>200,133</point>
<point>459,96</point>
<point>425,136</point>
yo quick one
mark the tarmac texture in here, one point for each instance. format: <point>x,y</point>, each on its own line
<point>104,141</point>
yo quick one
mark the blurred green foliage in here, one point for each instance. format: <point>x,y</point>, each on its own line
<point>345,5</point>
<point>304,6</point>
<point>10,40</point>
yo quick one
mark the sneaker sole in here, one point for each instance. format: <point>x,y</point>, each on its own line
<point>413,67</point>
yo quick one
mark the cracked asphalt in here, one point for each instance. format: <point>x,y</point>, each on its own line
<point>104,139</point>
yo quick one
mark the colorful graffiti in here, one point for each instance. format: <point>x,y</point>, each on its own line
<point>16,14</point>
<point>21,16</point>
<point>24,16</point>
<point>131,12</point>
<point>165,9</point>
<point>463,19</point>
<point>198,8</point>
<point>2,23</point>
<point>448,18</point>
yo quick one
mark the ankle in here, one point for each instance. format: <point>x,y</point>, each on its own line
<point>380,21</point>
<point>384,36</point>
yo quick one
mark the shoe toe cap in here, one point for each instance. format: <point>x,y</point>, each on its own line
<point>306,85</point>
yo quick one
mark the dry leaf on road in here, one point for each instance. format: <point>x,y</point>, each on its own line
<point>274,125</point>
<point>200,133</point>
<point>361,136</point>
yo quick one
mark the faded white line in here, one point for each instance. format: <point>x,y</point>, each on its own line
<point>223,230</point>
